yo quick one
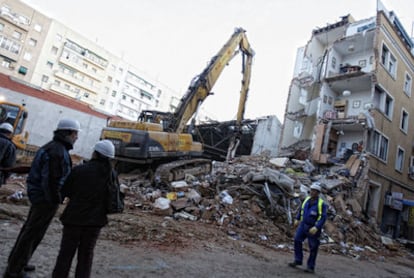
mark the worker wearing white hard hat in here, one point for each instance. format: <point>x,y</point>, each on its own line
<point>69,128</point>
<point>6,128</point>
<point>105,148</point>
<point>7,150</point>
<point>316,186</point>
<point>310,219</point>
<point>82,220</point>
<point>51,166</point>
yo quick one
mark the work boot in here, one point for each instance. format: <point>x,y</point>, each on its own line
<point>294,264</point>
<point>29,268</point>
<point>309,270</point>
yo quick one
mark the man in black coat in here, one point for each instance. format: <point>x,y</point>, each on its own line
<point>7,150</point>
<point>85,214</point>
<point>48,172</point>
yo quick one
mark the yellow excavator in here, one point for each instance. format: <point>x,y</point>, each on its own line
<point>157,141</point>
<point>16,115</point>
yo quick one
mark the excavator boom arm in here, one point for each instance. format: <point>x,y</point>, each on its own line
<point>201,86</point>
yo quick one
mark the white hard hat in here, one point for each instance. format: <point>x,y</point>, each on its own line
<point>6,126</point>
<point>316,186</point>
<point>105,148</point>
<point>68,124</point>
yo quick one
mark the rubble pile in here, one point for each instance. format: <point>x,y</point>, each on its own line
<point>252,199</point>
<point>255,198</point>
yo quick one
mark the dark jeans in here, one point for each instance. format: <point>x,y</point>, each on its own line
<point>30,236</point>
<point>75,238</point>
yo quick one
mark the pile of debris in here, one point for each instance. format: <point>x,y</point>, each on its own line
<point>254,199</point>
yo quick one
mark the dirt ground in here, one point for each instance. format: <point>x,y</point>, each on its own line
<point>140,244</point>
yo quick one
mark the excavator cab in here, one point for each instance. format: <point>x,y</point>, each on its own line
<point>16,115</point>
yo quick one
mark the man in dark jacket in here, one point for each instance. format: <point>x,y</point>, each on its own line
<point>49,170</point>
<point>85,214</point>
<point>7,150</point>
<point>310,219</point>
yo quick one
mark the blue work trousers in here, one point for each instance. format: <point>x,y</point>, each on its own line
<point>313,240</point>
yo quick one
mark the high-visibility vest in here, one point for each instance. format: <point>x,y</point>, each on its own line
<point>320,203</point>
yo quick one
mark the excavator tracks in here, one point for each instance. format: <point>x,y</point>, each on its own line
<point>177,170</point>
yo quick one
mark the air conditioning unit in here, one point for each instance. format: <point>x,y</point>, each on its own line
<point>368,106</point>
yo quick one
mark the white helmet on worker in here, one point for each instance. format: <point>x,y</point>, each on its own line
<point>105,148</point>
<point>68,124</point>
<point>316,186</point>
<point>6,127</point>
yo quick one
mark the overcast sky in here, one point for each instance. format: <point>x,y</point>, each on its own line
<point>173,40</point>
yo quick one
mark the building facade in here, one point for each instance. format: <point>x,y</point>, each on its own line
<point>352,94</point>
<point>47,54</point>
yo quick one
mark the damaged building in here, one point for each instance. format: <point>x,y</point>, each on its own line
<point>257,136</point>
<point>351,99</point>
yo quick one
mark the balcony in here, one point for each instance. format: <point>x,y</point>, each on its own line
<point>69,62</point>
<point>71,79</point>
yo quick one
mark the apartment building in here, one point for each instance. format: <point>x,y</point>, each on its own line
<point>352,93</point>
<point>47,54</point>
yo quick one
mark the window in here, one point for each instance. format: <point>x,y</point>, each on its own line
<point>113,93</point>
<point>388,61</point>
<point>102,102</point>
<point>106,90</point>
<point>27,56</point>
<point>5,63</point>
<point>22,70</point>
<point>109,78</point>
<point>383,101</point>
<point>1,27</point>
<point>333,64</point>
<point>15,48</point>
<point>379,146</point>
<point>17,35</point>
<point>32,42</point>
<point>57,82</point>
<point>66,86</point>
<point>404,121</point>
<point>399,159</point>
<point>45,78</point>
<point>124,97</point>
<point>54,50</point>
<point>49,64</point>
<point>407,84</point>
<point>59,37</point>
<point>38,27</point>
<point>411,168</point>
